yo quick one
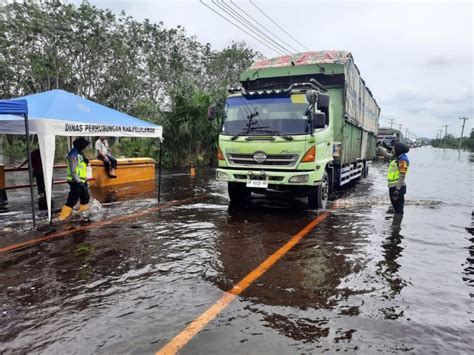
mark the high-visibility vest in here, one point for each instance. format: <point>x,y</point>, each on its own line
<point>81,168</point>
<point>393,174</point>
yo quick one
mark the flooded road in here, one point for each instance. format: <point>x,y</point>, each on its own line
<point>354,283</point>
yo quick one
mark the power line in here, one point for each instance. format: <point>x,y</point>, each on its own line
<point>248,23</point>
<point>233,24</point>
<point>246,28</point>
<point>262,26</point>
<point>276,24</point>
<point>261,39</point>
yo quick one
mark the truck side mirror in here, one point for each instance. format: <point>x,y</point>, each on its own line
<point>211,113</point>
<point>323,102</point>
<point>319,120</point>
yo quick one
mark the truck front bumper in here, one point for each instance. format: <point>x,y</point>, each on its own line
<point>290,178</point>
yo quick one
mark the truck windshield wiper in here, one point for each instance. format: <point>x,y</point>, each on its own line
<point>264,130</point>
<point>247,130</point>
<point>273,133</point>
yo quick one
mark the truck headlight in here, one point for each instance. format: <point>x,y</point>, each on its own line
<point>299,179</point>
<point>222,175</point>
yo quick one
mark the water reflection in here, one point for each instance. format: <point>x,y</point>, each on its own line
<point>468,276</point>
<point>355,283</point>
<point>309,277</point>
<point>137,190</point>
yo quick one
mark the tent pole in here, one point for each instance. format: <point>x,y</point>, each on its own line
<point>30,171</point>
<point>159,175</point>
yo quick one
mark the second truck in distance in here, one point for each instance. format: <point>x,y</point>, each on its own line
<point>304,124</point>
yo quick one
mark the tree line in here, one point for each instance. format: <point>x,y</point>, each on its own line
<point>162,75</point>
<point>453,142</point>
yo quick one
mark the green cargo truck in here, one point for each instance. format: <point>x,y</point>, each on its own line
<point>304,124</point>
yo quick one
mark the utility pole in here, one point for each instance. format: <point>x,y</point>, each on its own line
<point>462,131</point>
<point>406,133</point>
<point>400,127</point>
<point>445,135</point>
<point>440,136</point>
<point>391,122</point>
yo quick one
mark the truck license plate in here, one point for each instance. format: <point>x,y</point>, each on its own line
<point>257,183</point>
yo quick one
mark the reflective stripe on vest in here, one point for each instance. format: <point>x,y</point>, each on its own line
<point>393,174</point>
<point>81,169</point>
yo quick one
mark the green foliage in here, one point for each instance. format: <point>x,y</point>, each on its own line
<point>161,75</point>
<point>15,149</point>
<point>453,143</point>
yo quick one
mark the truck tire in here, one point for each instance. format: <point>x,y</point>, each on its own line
<point>318,196</point>
<point>238,192</point>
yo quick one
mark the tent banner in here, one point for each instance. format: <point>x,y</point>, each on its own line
<point>73,128</point>
<point>88,129</point>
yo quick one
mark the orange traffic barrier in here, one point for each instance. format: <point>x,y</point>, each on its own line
<point>128,170</point>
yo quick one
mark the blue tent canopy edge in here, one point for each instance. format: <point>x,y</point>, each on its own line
<point>13,107</point>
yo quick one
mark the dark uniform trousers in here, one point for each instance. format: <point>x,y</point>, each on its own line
<point>399,203</point>
<point>78,191</point>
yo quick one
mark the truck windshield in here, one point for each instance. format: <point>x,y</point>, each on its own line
<point>277,114</point>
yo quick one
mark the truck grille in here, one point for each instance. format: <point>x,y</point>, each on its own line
<point>272,159</point>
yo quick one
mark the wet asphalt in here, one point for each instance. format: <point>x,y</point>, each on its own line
<point>355,283</point>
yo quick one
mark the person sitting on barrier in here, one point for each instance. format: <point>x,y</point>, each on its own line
<point>102,152</point>
<point>77,179</point>
<point>37,167</point>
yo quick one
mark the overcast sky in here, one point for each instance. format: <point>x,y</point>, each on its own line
<point>416,57</point>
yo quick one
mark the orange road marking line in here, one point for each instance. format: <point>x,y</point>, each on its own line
<point>97,224</point>
<point>180,340</point>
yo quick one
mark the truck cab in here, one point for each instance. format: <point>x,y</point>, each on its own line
<point>277,140</point>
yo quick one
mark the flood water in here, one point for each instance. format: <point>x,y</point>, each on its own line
<point>355,283</point>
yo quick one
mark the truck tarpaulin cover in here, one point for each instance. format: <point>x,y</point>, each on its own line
<point>60,113</point>
<point>364,112</point>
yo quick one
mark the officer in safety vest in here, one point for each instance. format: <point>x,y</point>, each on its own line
<point>397,171</point>
<point>77,179</point>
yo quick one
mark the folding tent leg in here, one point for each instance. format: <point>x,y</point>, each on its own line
<point>159,175</point>
<point>30,171</point>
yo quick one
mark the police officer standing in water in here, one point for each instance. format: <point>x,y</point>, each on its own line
<point>397,171</point>
<point>77,179</point>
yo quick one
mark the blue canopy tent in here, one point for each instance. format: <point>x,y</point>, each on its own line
<point>20,108</point>
<point>60,113</point>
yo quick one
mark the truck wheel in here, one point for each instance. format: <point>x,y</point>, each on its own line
<point>318,196</point>
<point>238,192</point>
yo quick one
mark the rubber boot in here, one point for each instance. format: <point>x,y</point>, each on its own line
<point>83,208</point>
<point>66,212</point>
<point>397,221</point>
